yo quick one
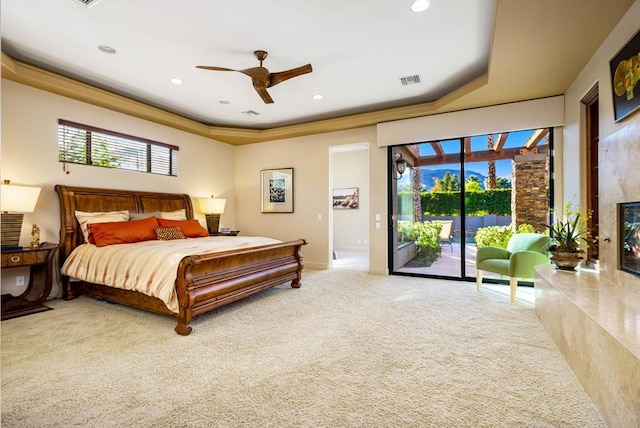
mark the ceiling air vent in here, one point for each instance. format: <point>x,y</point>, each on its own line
<point>88,3</point>
<point>410,80</point>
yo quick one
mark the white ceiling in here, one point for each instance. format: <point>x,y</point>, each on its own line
<point>510,50</point>
<point>358,50</point>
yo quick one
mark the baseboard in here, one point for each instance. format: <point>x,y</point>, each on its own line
<point>316,266</point>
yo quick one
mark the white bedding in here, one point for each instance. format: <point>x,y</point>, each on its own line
<point>149,267</point>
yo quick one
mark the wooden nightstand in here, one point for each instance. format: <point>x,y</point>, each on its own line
<point>229,233</point>
<point>40,261</point>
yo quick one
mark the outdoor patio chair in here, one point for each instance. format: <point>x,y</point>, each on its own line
<point>524,251</point>
<point>445,233</point>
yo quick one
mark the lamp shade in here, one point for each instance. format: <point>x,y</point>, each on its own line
<point>211,205</point>
<point>18,199</point>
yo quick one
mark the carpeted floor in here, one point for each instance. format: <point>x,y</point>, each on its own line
<point>348,349</point>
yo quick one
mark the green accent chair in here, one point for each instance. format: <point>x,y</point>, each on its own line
<point>524,251</point>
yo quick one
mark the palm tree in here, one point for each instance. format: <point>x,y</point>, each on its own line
<point>491,165</point>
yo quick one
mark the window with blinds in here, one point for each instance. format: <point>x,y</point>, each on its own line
<point>88,145</point>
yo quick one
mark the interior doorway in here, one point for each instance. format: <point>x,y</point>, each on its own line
<point>349,206</point>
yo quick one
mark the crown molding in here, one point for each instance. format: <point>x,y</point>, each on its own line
<point>36,77</point>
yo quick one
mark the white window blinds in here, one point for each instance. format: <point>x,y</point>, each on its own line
<point>88,145</point>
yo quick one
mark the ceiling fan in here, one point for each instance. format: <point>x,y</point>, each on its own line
<point>260,76</point>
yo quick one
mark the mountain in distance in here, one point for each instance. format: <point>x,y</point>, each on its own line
<point>427,176</point>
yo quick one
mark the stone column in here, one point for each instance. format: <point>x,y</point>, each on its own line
<point>529,199</point>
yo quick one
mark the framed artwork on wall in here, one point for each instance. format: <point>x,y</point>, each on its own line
<point>346,199</point>
<point>277,190</point>
<point>625,77</point>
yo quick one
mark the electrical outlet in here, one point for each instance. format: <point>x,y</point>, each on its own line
<point>19,281</point>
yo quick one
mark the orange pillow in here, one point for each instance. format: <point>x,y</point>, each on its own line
<point>190,228</point>
<point>124,232</point>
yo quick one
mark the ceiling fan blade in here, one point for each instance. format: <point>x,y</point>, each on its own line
<point>259,73</point>
<point>281,76</point>
<point>206,67</point>
<point>264,95</point>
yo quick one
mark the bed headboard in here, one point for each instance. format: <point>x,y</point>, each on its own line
<point>88,199</point>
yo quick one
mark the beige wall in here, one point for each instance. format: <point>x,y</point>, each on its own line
<point>309,156</point>
<point>619,155</point>
<point>30,152</point>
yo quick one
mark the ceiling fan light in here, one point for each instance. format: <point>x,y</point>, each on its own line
<point>420,5</point>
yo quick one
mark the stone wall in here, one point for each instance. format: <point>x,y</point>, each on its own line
<point>529,200</point>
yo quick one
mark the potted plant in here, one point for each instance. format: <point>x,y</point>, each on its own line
<point>568,232</point>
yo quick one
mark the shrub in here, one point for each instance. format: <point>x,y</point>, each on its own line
<point>498,236</point>
<point>405,232</point>
<point>525,228</point>
<point>495,201</point>
<point>493,236</point>
<point>427,239</point>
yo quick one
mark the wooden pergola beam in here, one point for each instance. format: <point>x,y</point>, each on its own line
<point>484,156</point>
<point>502,139</point>
<point>535,138</point>
<point>467,145</point>
<point>437,147</point>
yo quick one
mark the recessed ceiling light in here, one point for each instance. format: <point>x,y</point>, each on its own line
<point>420,5</point>
<point>176,81</point>
<point>107,49</point>
<point>225,102</point>
<point>318,97</point>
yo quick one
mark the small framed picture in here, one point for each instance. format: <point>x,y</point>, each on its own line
<point>346,199</point>
<point>277,190</point>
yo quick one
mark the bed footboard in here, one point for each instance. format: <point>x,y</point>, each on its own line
<point>208,281</point>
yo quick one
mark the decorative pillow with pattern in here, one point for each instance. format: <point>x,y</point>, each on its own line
<point>169,233</point>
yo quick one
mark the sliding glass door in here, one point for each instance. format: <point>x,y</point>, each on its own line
<point>456,194</point>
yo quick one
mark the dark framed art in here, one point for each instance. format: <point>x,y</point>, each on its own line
<point>277,190</point>
<point>346,199</point>
<point>625,76</point>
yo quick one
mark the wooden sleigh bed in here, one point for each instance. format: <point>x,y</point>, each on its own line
<point>204,281</point>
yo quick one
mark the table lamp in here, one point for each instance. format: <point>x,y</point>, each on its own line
<point>14,201</point>
<point>212,208</point>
